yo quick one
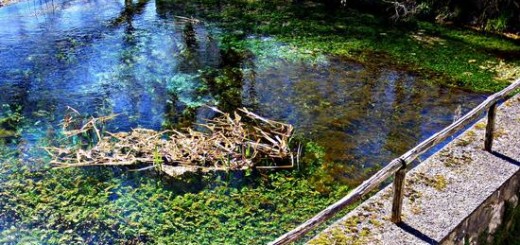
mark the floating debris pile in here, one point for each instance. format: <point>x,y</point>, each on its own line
<point>229,142</point>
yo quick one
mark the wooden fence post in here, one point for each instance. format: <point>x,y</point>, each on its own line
<point>490,127</point>
<point>397,204</point>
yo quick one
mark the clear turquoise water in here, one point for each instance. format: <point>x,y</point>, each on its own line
<point>140,61</point>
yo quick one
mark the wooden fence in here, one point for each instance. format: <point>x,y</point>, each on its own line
<point>398,166</point>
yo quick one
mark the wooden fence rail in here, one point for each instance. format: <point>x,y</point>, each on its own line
<point>398,167</point>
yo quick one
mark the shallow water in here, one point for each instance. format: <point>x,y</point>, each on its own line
<point>101,57</point>
<point>140,61</point>
<point>363,115</point>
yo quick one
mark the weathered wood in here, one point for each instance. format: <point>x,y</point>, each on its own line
<point>397,204</point>
<point>490,128</point>
<point>331,210</point>
<point>467,119</point>
<point>395,166</point>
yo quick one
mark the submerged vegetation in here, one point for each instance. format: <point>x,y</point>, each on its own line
<point>99,205</point>
<point>454,56</point>
<point>9,120</point>
<point>222,53</point>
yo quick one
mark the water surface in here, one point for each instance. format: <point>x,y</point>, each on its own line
<point>139,60</point>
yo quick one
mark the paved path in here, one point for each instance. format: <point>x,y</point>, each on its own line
<point>441,192</point>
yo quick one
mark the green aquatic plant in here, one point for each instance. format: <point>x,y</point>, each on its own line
<point>447,55</point>
<point>157,159</point>
<point>10,120</point>
<point>108,205</point>
<point>185,87</point>
<point>111,205</point>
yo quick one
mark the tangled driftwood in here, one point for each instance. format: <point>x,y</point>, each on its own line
<point>230,142</point>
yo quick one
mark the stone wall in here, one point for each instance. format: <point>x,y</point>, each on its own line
<point>481,226</point>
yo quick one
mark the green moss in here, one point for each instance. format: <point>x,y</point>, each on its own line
<point>499,132</point>
<point>376,222</point>
<point>439,182</point>
<point>480,125</point>
<point>346,233</point>
<point>471,134</point>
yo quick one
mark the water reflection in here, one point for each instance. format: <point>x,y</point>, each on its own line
<point>139,60</point>
<point>363,115</point>
<point>129,11</point>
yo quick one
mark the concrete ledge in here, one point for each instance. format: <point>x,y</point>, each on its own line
<point>453,197</point>
<point>491,212</point>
